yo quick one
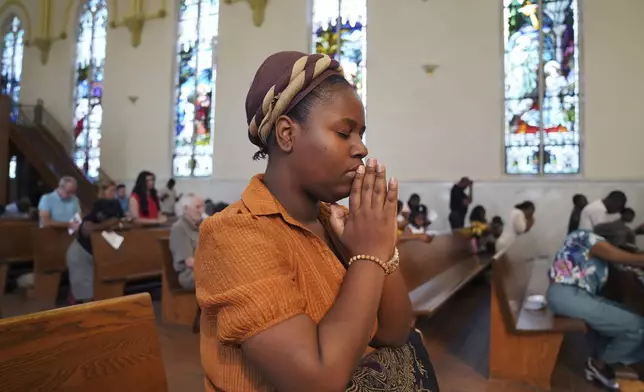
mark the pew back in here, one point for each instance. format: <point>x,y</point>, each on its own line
<point>50,261</point>
<point>16,244</point>
<point>101,346</point>
<point>139,257</point>
<point>50,249</point>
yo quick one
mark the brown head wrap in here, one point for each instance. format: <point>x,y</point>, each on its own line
<point>280,83</point>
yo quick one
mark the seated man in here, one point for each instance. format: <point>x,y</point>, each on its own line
<point>602,211</point>
<point>57,208</point>
<point>184,237</point>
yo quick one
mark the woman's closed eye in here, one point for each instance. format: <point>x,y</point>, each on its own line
<point>344,135</point>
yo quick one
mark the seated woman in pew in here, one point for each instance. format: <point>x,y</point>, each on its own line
<point>578,275</point>
<point>144,205</point>
<point>481,230</point>
<point>293,287</point>
<point>418,227</point>
<point>106,214</point>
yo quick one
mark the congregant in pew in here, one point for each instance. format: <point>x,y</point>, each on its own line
<point>144,205</point>
<point>521,221</point>
<point>184,237</point>
<point>578,274</point>
<point>60,207</point>
<point>605,210</point>
<point>459,202</point>
<point>169,198</point>
<point>20,209</point>
<point>121,196</point>
<point>106,214</point>
<point>412,203</point>
<point>293,289</point>
<point>579,201</point>
<point>417,228</point>
<point>481,231</point>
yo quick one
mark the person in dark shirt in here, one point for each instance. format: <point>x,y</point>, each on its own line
<point>579,201</point>
<point>106,214</point>
<point>459,202</point>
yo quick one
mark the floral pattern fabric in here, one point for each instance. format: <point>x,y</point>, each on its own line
<point>573,264</point>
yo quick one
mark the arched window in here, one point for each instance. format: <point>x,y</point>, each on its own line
<point>541,86</point>
<point>12,50</point>
<point>340,30</point>
<point>88,93</point>
<point>195,88</point>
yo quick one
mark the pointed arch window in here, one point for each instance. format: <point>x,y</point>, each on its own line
<point>340,31</point>
<point>542,108</point>
<point>88,92</point>
<point>195,88</point>
<point>12,50</point>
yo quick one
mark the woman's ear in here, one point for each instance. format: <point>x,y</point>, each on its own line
<point>285,128</point>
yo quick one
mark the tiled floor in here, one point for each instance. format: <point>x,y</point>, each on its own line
<point>457,339</point>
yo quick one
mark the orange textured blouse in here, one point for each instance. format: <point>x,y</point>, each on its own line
<point>256,267</point>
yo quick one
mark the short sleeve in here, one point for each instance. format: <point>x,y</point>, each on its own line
<point>44,204</point>
<point>592,239</point>
<point>244,282</point>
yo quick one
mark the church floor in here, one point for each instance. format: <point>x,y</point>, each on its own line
<point>457,339</point>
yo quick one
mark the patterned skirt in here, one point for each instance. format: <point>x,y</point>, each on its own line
<point>402,369</point>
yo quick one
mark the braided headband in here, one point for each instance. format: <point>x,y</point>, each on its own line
<point>281,95</point>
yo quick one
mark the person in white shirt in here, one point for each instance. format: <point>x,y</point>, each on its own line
<point>168,198</point>
<point>521,221</point>
<point>602,211</point>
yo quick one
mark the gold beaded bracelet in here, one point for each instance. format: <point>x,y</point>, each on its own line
<point>389,266</point>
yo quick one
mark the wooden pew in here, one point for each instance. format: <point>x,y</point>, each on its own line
<point>524,344</point>
<point>178,306</point>
<point>50,261</point>
<point>102,346</point>
<point>16,246</point>
<point>436,271</point>
<point>139,257</point>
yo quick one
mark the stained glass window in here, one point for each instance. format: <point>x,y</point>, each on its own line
<point>541,86</point>
<point>340,31</point>
<point>88,93</point>
<point>195,83</point>
<point>12,50</point>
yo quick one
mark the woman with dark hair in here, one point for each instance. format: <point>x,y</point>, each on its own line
<point>294,288</point>
<point>520,222</point>
<point>144,203</point>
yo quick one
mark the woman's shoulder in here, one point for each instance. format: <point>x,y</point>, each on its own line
<point>234,221</point>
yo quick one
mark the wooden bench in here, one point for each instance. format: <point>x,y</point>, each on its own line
<point>16,246</point>
<point>524,344</point>
<point>50,261</point>
<point>436,271</point>
<point>139,257</point>
<point>178,306</point>
<point>102,346</point>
